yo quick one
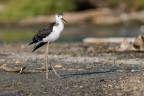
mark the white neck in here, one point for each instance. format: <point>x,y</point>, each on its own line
<point>59,22</point>
<point>60,25</point>
<point>58,28</point>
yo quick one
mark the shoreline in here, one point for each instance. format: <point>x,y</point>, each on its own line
<point>96,67</point>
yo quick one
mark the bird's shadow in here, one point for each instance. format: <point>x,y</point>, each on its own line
<point>87,73</point>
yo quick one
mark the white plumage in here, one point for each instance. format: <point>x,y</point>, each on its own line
<point>57,29</point>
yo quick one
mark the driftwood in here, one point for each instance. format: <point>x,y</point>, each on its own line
<point>125,44</point>
<point>136,45</point>
<point>20,70</point>
<point>11,69</point>
<point>106,40</point>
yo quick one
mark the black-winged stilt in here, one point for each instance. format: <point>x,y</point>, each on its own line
<point>47,34</point>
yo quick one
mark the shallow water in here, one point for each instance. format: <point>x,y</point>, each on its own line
<point>72,33</point>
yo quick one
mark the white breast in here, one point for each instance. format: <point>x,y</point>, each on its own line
<point>55,34</point>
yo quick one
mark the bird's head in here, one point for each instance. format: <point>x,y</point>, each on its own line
<point>60,16</point>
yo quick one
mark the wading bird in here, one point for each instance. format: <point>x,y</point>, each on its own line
<point>48,34</point>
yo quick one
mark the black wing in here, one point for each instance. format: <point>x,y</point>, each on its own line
<point>38,45</point>
<point>42,33</point>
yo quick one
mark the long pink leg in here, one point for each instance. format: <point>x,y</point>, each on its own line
<point>46,57</point>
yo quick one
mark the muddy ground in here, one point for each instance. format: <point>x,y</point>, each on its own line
<point>86,70</point>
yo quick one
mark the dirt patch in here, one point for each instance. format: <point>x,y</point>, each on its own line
<point>86,70</point>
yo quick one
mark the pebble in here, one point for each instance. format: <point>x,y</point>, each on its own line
<point>132,70</point>
<point>81,86</point>
<point>18,62</point>
<point>58,66</point>
<point>2,60</point>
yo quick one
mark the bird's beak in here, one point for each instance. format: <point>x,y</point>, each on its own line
<point>64,20</point>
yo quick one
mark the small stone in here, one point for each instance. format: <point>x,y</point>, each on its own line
<point>132,70</point>
<point>119,70</point>
<point>138,81</point>
<point>2,60</point>
<point>120,78</point>
<point>81,86</point>
<point>76,86</point>
<point>90,49</point>
<point>58,66</point>
<point>18,62</point>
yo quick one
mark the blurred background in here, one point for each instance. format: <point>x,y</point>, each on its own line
<point>19,20</point>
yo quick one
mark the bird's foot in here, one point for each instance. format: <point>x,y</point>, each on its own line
<point>55,72</point>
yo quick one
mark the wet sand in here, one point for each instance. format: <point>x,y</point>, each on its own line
<point>86,70</point>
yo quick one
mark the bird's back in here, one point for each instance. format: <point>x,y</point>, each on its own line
<point>42,33</point>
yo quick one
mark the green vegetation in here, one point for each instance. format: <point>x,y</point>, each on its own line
<point>17,9</point>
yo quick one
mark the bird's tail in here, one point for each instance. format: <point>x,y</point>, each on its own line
<point>31,43</point>
<point>38,45</point>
